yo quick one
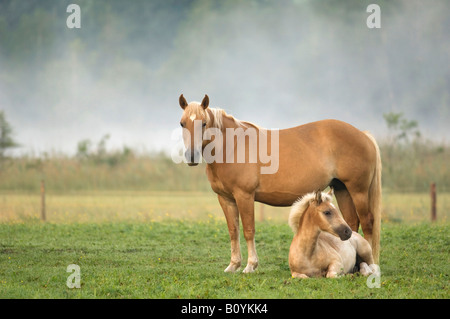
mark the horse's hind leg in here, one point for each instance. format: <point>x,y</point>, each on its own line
<point>365,255</point>
<point>345,204</point>
<point>232,216</point>
<point>363,249</point>
<point>361,201</point>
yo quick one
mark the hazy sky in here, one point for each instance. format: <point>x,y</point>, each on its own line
<point>278,66</point>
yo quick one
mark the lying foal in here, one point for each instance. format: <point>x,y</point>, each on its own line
<point>324,245</point>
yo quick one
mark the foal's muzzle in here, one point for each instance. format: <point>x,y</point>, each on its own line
<point>344,232</point>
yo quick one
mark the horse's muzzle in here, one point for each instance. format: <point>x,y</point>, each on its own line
<point>192,164</point>
<point>192,156</point>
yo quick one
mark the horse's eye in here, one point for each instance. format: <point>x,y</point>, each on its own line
<point>204,124</point>
<point>327,213</point>
<point>181,124</point>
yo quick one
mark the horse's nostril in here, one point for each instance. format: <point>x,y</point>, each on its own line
<point>190,156</point>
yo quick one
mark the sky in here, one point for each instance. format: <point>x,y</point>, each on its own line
<point>277,66</point>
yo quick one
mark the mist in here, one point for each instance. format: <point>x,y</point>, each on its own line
<point>278,64</point>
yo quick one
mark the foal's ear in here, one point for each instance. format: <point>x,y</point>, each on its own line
<point>183,102</point>
<point>318,197</point>
<point>205,102</point>
<point>331,192</point>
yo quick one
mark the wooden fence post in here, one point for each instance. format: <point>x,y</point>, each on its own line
<point>43,201</point>
<point>433,201</point>
<point>261,212</point>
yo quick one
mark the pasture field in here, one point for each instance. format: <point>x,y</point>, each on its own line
<point>176,245</point>
<point>185,259</point>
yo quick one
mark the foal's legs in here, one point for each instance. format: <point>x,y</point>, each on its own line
<point>299,275</point>
<point>232,216</point>
<point>245,203</point>
<point>334,269</point>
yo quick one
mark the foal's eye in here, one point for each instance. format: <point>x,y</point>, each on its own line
<point>181,124</point>
<point>327,213</point>
<point>204,125</point>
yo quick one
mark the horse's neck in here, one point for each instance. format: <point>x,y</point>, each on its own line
<point>229,122</point>
<point>307,235</point>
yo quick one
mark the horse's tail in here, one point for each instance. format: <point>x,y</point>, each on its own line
<point>375,202</point>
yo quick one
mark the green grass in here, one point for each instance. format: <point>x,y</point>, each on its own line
<point>186,259</point>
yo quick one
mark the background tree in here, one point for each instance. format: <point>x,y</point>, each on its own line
<point>6,140</point>
<point>400,128</point>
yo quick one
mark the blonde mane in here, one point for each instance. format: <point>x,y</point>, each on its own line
<point>218,115</point>
<point>194,108</point>
<point>300,206</point>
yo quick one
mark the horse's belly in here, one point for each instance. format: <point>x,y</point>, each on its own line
<point>282,191</point>
<point>288,184</point>
<point>277,198</point>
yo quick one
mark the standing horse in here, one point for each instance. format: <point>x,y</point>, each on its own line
<point>311,156</point>
<point>323,244</point>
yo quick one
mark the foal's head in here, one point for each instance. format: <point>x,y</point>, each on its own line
<point>195,120</point>
<point>328,217</point>
<point>321,212</point>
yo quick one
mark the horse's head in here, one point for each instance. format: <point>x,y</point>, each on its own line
<point>194,122</point>
<point>328,217</point>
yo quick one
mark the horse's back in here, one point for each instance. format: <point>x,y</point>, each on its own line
<point>325,132</point>
<point>311,156</point>
<point>331,146</point>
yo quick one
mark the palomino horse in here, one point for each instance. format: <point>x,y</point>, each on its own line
<point>311,156</point>
<point>323,244</point>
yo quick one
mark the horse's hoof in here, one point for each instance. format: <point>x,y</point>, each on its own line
<point>232,268</point>
<point>249,269</point>
<point>375,269</point>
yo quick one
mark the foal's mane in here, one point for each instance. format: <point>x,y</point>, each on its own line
<point>300,206</point>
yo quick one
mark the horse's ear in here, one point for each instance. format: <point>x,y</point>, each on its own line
<point>318,197</point>
<point>205,102</point>
<point>331,192</point>
<point>183,102</point>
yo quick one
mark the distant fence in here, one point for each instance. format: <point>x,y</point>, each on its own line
<point>259,207</point>
<point>433,202</point>
<point>43,215</point>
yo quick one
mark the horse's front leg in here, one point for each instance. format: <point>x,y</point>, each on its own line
<point>245,203</point>
<point>232,216</point>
